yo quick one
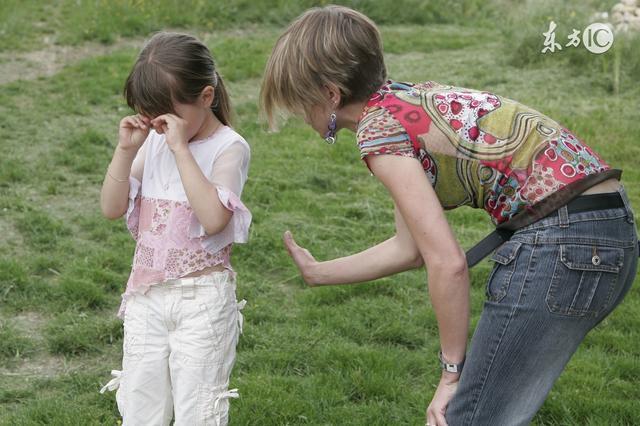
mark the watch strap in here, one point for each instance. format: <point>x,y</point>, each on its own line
<point>450,367</point>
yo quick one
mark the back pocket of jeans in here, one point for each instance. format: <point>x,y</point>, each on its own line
<point>500,278</point>
<point>583,279</point>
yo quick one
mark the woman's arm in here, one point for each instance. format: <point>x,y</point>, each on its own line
<point>448,277</point>
<point>397,254</point>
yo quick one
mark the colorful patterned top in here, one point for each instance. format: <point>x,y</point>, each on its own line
<point>477,149</point>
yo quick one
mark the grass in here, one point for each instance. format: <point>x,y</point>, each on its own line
<point>28,23</point>
<point>13,343</point>
<point>346,355</point>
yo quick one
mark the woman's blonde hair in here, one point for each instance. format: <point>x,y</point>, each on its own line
<point>331,44</point>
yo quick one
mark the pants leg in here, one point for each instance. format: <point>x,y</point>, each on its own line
<point>544,295</point>
<point>144,394</point>
<point>203,349</point>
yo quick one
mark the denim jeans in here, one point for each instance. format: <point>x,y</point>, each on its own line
<point>552,282</point>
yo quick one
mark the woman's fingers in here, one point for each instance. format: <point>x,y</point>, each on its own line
<point>298,253</point>
<point>300,256</point>
<point>292,247</point>
<point>288,239</point>
<point>436,418</point>
<point>440,420</point>
<point>431,419</point>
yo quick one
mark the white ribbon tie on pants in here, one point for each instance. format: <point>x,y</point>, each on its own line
<point>114,383</point>
<point>232,393</point>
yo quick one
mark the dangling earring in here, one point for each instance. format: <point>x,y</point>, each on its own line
<point>330,136</point>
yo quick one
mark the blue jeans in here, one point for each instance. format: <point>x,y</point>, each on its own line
<point>552,282</point>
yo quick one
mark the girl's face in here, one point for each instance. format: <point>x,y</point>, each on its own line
<point>196,116</point>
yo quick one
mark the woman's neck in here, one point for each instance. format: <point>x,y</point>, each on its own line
<point>348,116</point>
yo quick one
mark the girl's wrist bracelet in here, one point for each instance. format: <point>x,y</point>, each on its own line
<point>115,178</point>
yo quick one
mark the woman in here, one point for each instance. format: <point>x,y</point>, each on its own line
<point>573,255</point>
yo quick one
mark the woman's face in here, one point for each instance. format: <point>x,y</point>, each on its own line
<point>318,118</point>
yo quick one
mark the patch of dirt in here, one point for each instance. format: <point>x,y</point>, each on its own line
<point>29,323</point>
<point>42,364</point>
<point>36,364</point>
<point>47,62</point>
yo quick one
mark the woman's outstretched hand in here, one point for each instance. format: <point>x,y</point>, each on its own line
<point>435,412</point>
<point>301,257</point>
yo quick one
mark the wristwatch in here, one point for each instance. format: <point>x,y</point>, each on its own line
<point>451,368</point>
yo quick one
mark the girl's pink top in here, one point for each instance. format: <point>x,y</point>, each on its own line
<point>170,241</point>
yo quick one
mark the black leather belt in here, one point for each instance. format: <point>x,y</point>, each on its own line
<point>582,203</point>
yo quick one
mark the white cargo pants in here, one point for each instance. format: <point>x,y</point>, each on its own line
<point>179,348</point>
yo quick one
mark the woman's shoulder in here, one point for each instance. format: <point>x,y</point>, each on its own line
<point>380,132</point>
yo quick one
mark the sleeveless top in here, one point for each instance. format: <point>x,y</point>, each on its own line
<point>170,241</point>
<point>479,149</point>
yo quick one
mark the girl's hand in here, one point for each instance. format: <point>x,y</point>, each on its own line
<point>175,130</point>
<point>133,131</point>
<point>301,257</point>
<point>446,388</point>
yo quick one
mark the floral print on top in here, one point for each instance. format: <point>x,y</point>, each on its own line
<point>171,243</point>
<point>477,149</point>
<point>168,246</point>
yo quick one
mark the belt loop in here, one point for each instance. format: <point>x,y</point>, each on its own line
<point>627,205</point>
<point>563,217</point>
<point>188,288</point>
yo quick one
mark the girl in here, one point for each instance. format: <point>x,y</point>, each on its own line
<point>437,147</point>
<point>177,173</point>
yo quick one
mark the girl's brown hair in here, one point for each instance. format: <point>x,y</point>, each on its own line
<point>332,44</point>
<point>174,67</point>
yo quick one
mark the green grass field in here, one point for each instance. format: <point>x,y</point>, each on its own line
<point>356,355</point>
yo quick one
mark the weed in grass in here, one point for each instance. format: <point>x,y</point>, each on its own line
<point>13,344</point>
